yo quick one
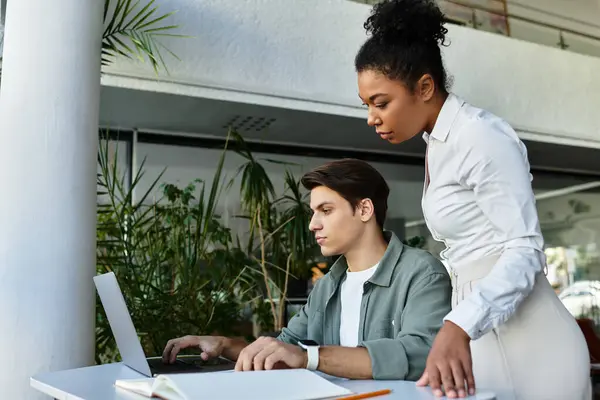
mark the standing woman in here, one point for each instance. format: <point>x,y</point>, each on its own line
<point>507,332</point>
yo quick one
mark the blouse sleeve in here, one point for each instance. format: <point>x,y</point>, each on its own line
<point>496,168</point>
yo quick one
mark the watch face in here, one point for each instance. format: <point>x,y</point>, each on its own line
<point>308,342</point>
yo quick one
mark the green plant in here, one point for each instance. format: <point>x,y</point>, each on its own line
<point>178,266</point>
<point>280,242</point>
<point>181,270</point>
<point>133,30</point>
<point>415,241</point>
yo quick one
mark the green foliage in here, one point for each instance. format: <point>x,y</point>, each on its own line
<point>415,241</point>
<point>174,260</point>
<point>132,30</point>
<point>284,220</point>
<point>279,242</point>
<point>182,271</point>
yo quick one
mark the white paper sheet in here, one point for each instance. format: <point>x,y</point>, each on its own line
<point>287,384</point>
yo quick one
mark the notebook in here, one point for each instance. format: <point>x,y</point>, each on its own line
<point>289,384</point>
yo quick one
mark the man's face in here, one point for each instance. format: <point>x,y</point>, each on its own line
<point>336,225</point>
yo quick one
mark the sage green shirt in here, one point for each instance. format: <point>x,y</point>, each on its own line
<point>402,309</point>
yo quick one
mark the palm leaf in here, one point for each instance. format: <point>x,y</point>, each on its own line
<point>132,30</point>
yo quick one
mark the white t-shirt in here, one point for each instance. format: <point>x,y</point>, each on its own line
<point>352,291</point>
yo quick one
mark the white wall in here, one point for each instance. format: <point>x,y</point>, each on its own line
<point>299,54</point>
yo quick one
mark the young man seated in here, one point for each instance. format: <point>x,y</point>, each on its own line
<point>377,311</point>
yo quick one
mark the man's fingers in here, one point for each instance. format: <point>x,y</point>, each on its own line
<point>239,364</point>
<point>259,359</point>
<point>459,377</point>
<point>447,379</point>
<point>424,379</point>
<point>270,348</point>
<point>208,351</point>
<point>274,358</point>
<point>181,344</point>
<point>166,355</point>
<point>174,351</point>
<point>255,355</point>
<point>246,359</point>
<point>174,346</point>
<point>247,362</point>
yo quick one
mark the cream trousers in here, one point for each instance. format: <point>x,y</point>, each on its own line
<point>539,353</point>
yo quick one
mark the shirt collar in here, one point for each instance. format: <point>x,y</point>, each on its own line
<point>446,118</point>
<point>384,272</point>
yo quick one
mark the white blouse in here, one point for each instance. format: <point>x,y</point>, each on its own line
<point>479,202</point>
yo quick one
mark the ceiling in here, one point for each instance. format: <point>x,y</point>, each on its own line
<point>167,113</point>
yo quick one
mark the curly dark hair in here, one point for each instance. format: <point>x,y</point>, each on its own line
<point>405,42</point>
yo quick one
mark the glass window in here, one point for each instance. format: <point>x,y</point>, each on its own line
<point>568,208</point>
<point>569,212</point>
<point>570,221</point>
<point>184,164</point>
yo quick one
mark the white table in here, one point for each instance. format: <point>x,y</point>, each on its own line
<point>97,383</point>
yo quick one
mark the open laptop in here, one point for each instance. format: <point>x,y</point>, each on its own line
<point>129,344</point>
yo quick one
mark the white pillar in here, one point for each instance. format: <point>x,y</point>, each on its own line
<point>49,107</point>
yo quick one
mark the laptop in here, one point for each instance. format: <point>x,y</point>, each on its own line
<point>128,343</point>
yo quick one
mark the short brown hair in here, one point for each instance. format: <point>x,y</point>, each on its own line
<point>354,180</point>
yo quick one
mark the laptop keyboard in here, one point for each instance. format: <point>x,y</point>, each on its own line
<point>189,364</point>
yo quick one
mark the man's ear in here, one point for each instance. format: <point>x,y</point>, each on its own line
<point>366,209</point>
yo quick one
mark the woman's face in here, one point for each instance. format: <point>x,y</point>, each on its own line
<point>396,113</point>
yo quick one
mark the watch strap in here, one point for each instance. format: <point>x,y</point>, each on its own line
<point>313,357</point>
